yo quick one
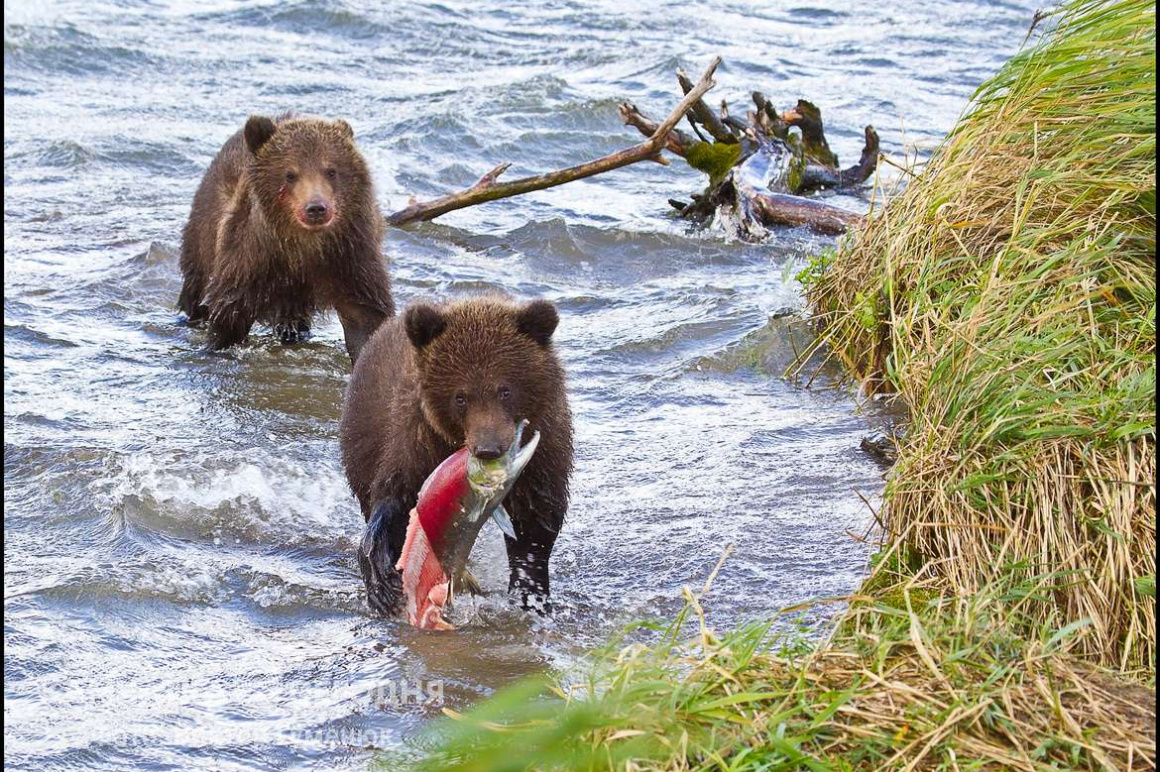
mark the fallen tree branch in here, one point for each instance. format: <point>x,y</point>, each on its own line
<point>703,115</point>
<point>490,178</point>
<point>487,189</point>
<point>861,171</point>
<point>767,117</point>
<point>784,209</point>
<point>678,141</point>
<point>815,176</point>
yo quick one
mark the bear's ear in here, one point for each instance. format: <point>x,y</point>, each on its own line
<point>423,323</point>
<point>345,128</point>
<point>538,321</point>
<point>258,131</point>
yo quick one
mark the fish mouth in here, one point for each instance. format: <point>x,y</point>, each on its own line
<point>490,477</point>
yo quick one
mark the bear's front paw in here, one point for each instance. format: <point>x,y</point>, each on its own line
<point>377,563</point>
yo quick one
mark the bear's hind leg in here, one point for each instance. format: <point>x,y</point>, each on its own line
<point>358,324</point>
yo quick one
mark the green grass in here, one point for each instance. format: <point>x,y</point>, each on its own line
<point>933,682</point>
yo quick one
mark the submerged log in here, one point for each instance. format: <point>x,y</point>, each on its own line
<point>774,209</point>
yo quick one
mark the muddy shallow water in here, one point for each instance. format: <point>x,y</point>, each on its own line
<point>180,587</point>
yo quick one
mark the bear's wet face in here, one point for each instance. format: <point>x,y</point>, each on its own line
<point>482,369</point>
<point>305,173</point>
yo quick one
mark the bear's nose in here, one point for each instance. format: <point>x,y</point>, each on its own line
<point>316,209</point>
<point>487,451</point>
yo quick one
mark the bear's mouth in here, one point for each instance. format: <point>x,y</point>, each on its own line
<point>495,476</point>
<point>309,223</point>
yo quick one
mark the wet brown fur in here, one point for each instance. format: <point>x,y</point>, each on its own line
<point>402,418</point>
<point>246,255</point>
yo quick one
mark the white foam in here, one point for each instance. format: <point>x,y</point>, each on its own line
<point>261,499</point>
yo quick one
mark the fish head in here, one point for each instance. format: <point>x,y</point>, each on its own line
<point>492,478</point>
<point>458,502</point>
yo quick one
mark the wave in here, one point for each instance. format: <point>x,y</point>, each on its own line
<point>217,497</point>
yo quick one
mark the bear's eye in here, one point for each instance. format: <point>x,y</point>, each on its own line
<point>505,393</point>
<point>331,173</point>
<point>291,176</point>
<point>461,399</point>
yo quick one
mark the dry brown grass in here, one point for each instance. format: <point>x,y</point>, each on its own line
<point>958,688</point>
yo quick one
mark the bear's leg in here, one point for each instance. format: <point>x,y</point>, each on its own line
<point>229,323</point>
<point>379,551</point>
<point>189,301</point>
<point>359,322</point>
<point>528,556</point>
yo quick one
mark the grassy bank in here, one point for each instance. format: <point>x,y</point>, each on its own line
<point>917,681</point>
<point>1008,296</point>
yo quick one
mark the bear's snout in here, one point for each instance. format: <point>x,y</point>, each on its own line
<point>317,211</point>
<point>487,452</point>
<point>489,441</point>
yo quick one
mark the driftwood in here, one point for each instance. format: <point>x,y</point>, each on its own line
<point>763,207</point>
<point>752,207</point>
<point>700,113</point>
<point>819,163</point>
<point>487,189</point>
<point>758,169</point>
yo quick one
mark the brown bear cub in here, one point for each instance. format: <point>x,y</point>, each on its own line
<point>440,378</point>
<point>285,224</point>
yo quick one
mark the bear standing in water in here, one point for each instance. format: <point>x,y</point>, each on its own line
<point>285,224</point>
<point>440,378</point>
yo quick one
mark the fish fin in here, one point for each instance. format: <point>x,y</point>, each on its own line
<point>504,521</point>
<point>469,584</point>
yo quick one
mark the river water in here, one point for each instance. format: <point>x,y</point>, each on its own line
<point>180,587</point>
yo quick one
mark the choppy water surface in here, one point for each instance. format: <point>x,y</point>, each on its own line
<point>180,588</point>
